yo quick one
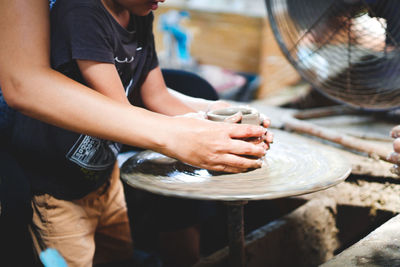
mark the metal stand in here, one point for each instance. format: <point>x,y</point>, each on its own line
<point>237,257</point>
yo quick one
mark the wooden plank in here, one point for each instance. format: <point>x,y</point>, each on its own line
<point>226,40</point>
<point>275,69</point>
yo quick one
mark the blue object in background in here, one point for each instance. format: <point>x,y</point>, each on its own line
<point>51,258</point>
<point>52,2</point>
<point>177,36</point>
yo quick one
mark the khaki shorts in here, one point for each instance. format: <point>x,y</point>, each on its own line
<point>87,231</point>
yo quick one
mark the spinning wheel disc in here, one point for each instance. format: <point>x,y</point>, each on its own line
<point>293,166</point>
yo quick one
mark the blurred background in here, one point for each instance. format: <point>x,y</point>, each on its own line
<point>230,44</point>
<point>348,49</point>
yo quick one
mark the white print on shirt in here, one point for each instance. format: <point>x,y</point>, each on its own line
<point>128,88</point>
<point>126,60</point>
<point>93,153</point>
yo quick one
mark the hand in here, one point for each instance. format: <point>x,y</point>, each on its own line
<point>214,145</point>
<point>395,156</point>
<point>268,136</point>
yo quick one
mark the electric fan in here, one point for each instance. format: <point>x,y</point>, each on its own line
<point>347,49</point>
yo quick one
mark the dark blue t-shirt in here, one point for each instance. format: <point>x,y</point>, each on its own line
<point>6,115</point>
<point>62,163</point>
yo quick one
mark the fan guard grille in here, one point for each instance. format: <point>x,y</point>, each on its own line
<point>347,49</point>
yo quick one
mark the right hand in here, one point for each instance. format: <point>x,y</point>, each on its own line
<point>214,145</point>
<point>268,136</point>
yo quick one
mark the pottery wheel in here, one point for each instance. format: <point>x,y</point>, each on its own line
<point>294,165</point>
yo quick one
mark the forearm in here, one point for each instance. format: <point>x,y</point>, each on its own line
<point>168,104</point>
<point>70,105</point>
<point>198,104</point>
<point>104,78</point>
<point>157,98</point>
<point>32,87</point>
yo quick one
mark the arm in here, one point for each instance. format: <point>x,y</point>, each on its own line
<point>32,87</point>
<point>104,78</point>
<point>157,98</point>
<point>200,104</point>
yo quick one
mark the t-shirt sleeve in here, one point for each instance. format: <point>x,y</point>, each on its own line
<point>85,35</point>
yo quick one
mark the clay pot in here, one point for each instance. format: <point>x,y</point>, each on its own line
<point>249,115</point>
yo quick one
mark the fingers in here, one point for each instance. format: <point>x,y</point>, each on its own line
<point>237,164</point>
<point>269,137</point>
<point>240,131</point>
<point>266,139</point>
<point>266,122</point>
<point>254,140</point>
<point>395,170</point>
<point>252,134</point>
<point>241,156</point>
<point>241,147</point>
<point>395,133</point>
<point>265,146</point>
<point>394,158</point>
<point>220,146</point>
<point>396,145</point>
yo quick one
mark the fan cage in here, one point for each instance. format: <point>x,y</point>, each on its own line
<point>347,49</point>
